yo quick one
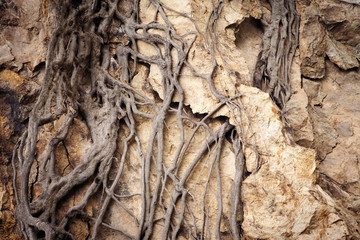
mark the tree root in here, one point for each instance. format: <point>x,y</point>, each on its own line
<point>78,82</point>
<point>280,40</point>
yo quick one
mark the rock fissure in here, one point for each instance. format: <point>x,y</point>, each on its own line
<point>78,79</point>
<point>139,121</point>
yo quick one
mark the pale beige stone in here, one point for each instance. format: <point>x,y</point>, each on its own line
<point>312,47</point>
<point>341,55</point>
<point>298,118</point>
<point>236,62</point>
<point>281,200</point>
<point>27,40</point>
<point>341,166</point>
<point>5,54</point>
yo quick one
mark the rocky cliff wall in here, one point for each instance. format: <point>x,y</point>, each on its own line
<point>302,169</point>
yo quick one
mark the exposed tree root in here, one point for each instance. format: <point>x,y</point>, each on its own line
<point>78,81</point>
<point>280,40</point>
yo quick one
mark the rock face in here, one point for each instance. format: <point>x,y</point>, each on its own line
<point>328,28</point>
<point>302,162</point>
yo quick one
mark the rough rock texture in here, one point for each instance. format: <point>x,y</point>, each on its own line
<point>333,102</point>
<point>328,28</point>
<point>343,113</point>
<point>23,45</point>
<point>298,118</point>
<point>308,184</point>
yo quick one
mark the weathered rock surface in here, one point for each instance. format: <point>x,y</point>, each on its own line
<point>300,192</point>
<point>298,118</point>
<point>333,100</point>
<point>5,54</point>
<point>312,47</point>
<point>27,31</point>
<point>329,28</point>
<point>341,105</point>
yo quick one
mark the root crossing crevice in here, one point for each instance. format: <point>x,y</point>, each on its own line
<point>280,40</point>
<point>88,76</point>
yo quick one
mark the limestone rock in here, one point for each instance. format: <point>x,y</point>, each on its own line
<point>25,34</point>
<point>5,54</point>
<point>341,20</point>
<point>344,129</point>
<point>281,199</point>
<point>324,133</point>
<point>267,123</point>
<point>341,110</point>
<point>343,167</point>
<point>312,90</point>
<point>277,198</point>
<point>312,47</point>
<point>342,56</point>
<point>248,40</point>
<point>335,227</point>
<point>334,32</point>
<point>230,35</point>
<point>298,118</point>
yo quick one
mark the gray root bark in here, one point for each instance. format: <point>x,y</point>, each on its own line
<point>78,82</point>
<point>280,40</point>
